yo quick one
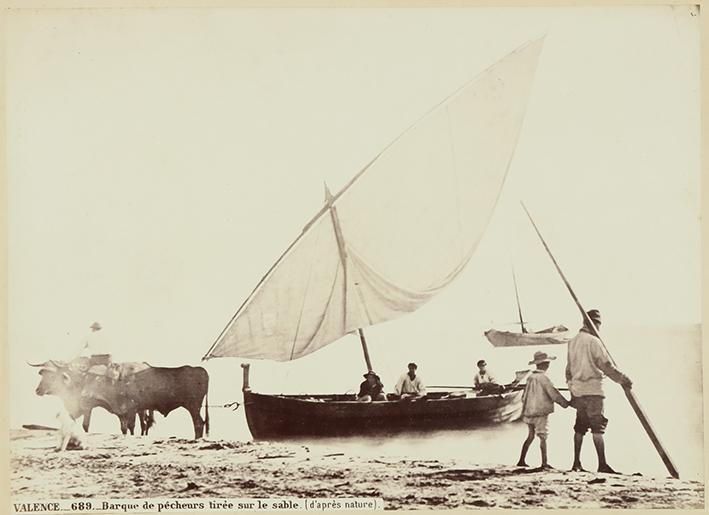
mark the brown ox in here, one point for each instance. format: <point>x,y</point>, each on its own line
<point>66,382</point>
<point>155,388</point>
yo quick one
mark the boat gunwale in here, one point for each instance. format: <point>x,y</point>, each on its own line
<point>327,398</point>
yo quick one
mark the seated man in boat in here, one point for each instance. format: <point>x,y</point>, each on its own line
<point>371,388</point>
<point>484,382</point>
<point>410,385</point>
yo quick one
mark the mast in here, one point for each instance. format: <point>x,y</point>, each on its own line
<point>364,349</point>
<point>329,199</point>
<point>519,307</point>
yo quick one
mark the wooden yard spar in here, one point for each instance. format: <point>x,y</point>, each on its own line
<point>628,392</point>
<point>343,259</point>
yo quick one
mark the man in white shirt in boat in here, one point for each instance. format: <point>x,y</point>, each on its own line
<point>410,385</point>
<point>585,368</point>
<point>484,381</point>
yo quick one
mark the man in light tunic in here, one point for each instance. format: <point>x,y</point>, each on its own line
<point>483,376</point>
<point>587,363</point>
<point>484,383</point>
<point>409,384</point>
<point>93,343</point>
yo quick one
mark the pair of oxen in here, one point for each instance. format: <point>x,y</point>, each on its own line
<point>127,390</point>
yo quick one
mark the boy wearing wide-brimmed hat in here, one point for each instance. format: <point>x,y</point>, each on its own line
<point>537,403</point>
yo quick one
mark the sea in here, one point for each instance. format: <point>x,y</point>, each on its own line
<point>664,363</point>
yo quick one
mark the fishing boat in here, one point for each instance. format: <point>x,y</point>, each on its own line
<point>400,231</point>
<point>273,417</point>
<point>554,335</point>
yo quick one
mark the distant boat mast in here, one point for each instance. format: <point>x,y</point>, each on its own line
<point>519,307</point>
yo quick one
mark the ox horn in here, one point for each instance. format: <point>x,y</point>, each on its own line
<point>38,364</point>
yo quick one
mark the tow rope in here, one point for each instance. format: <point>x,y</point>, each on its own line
<point>233,405</point>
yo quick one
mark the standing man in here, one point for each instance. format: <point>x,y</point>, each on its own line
<point>587,363</point>
<point>409,384</point>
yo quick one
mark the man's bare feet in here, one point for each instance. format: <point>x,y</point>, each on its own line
<point>522,463</point>
<point>606,469</point>
<point>576,467</point>
<point>546,466</point>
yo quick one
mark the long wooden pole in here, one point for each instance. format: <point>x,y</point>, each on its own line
<point>628,392</point>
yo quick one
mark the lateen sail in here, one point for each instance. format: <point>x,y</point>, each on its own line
<point>399,232</point>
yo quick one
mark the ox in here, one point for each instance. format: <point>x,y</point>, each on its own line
<point>66,382</point>
<point>155,388</point>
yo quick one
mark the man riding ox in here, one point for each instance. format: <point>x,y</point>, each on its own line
<point>154,388</point>
<point>66,381</point>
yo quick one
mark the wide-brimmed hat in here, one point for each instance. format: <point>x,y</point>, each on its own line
<point>370,373</point>
<point>95,326</point>
<point>541,357</point>
<point>594,315</point>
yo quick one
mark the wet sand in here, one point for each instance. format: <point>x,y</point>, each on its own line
<point>118,467</point>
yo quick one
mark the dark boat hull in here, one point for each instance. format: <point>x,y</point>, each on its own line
<point>289,416</point>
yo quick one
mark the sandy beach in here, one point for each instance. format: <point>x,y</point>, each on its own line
<point>143,467</point>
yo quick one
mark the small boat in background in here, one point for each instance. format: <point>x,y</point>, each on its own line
<point>555,335</point>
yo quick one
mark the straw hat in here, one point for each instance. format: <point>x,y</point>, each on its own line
<point>541,357</point>
<point>594,315</point>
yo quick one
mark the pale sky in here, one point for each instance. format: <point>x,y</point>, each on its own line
<point>159,162</point>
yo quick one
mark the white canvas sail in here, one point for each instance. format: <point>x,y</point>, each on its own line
<point>399,232</point>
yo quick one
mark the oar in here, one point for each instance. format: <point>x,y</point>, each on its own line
<point>456,387</point>
<point>628,392</point>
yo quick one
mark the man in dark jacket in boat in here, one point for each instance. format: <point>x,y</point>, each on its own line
<point>371,388</point>
<point>586,365</point>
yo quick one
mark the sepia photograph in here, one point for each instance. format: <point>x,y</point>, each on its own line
<point>354,258</point>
